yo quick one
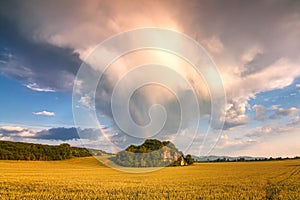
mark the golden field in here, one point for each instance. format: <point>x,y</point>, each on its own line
<point>86,178</point>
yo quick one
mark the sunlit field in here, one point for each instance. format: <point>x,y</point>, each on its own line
<point>86,178</point>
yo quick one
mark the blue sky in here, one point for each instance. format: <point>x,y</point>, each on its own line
<point>255,46</point>
<point>19,104</point>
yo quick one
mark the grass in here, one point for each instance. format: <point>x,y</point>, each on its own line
<point>86,178</point>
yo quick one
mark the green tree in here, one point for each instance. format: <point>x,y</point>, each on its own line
<point>189,159</point>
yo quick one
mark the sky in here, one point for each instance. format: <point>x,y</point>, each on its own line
<point>254,45</point>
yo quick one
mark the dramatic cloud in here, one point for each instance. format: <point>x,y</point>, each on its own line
<point>37,63</point>
<point>85,25</point>
<point>255,45</point>
<point>213,45</point>
<point>45,113</point>
<point>251,53</point>
<point>57,134</point>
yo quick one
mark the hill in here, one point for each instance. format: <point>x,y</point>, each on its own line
<point>212,158</point>
<point>152,153</point>
<point>30,151</point>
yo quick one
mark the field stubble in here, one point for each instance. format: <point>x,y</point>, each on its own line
<point>86,178</point>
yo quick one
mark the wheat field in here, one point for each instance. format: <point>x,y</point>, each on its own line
<point>86,178</point>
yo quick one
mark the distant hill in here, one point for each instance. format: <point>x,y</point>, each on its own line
<point>152,153</point>
<point>238,158</point>
<point>30,151</point>
<point>213,158</point>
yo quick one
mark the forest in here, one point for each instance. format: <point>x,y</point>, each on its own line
<point>30,151</point>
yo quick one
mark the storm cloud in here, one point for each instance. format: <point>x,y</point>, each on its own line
<point>255,45</point>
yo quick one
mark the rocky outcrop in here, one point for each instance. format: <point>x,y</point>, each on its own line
<point>152,153</point>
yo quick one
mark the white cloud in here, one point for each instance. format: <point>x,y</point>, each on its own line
<point>232,146</point>
<point>287,112</point>
<point>86,100</point>
<point>270,144</point>
<point>284,112</point>
<point>236,114</point>
<point>294,122</point>
<point>36,87</point>
<point>276,128</point>
<point>274,107</point>
<point>77,86</point>
<point>259,112</point>
<point>275,76</point>
<point>260,140</point>
<point>266,130</point>
<point>9,132</point>
<point>11,128</point>
<point>45,113</point>
<point>241,88</point>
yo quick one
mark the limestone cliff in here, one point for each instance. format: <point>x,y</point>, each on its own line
<point>152,153</point>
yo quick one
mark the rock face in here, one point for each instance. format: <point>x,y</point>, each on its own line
<point>152,153</point>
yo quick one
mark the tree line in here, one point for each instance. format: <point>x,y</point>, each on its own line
<point>29,151</point>
<point>241,159</point>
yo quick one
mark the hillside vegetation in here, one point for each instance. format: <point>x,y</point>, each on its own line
<point>152,153</point>
<point>29,151</point>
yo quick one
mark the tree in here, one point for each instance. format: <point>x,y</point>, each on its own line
<point>65,151</point>
<point>189,159</point>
